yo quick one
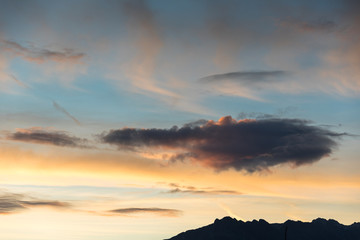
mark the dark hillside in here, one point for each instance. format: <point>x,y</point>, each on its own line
<point>231,229</point>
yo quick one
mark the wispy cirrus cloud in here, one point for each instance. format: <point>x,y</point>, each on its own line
<point>148,42</point>
<point>46,136</point>
<point>250,145</point>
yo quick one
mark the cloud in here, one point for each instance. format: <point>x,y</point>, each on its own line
<point>157,42</point>
<point>318,25</point>
<point>204,192</point>
<point>280,113</point>
<point>20,83</point>
<point>247,84</point>
<point>148,43</point>
<point>193,190</point>
<point>63,64</point>
<point>250,145</point>
<point>40,55</point>
<point>342,69</point>
<point>13,203</point>
<point>45,203</point>
<point>9,203</point>
<point>197,123</point>
<point>45,136</point>
<point>157,211</point>
<point>249,77</point>
<point>63,110</point>
<point>256,115</point>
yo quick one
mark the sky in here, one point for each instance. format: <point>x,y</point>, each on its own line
<point>142,119</point>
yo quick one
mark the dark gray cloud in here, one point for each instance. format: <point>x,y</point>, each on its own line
<point>176,188</point>
<point>40,55</point>
<point>158,211</point>
<point>13,203</point>
<point>249,145</point>
<point>44,136</point>
<point>63,110</point>
<point>249,77</point>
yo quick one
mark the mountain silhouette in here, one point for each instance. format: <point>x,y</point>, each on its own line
<point>231,229</point>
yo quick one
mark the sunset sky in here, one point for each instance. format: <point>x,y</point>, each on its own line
<point>142,119</point>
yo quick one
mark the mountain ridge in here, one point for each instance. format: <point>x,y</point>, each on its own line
<point>231,229</point>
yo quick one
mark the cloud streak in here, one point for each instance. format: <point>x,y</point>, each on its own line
<point>20,83</point>
<point>249,77</point>
<point>165,212</point>
<point>45,136</point>
<point>9,203</point>
<point>176,188</point>
<point>45,203</point>
<point>250,145</point>
<point>148,42</point>
<point>40,55</point>
<point>63,110</point>
<point>318,25</point>
<point>14,203</point>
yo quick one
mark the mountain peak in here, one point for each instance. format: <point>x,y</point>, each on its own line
<point>229,228</point>
<point>226,219</point>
